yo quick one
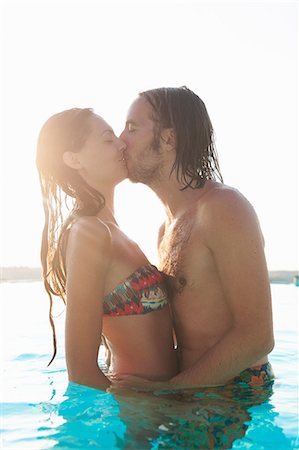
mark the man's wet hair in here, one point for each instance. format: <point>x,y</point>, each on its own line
<point>182,110</point>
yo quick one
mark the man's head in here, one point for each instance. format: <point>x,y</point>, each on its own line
<point>167,119</point>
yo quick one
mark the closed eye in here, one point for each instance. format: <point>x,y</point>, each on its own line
<point>131,127</point>
<point>108,136</point>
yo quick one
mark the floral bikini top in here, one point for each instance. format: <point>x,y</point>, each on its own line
<point>141,293</point>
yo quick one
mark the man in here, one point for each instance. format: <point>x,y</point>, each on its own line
<point>210,246</point>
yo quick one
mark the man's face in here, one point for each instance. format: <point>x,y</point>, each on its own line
<point>143,153</point>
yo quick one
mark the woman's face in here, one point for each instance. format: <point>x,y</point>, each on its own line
<point>101,161</point>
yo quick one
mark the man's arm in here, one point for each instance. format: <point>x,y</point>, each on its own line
<point>232,233</point>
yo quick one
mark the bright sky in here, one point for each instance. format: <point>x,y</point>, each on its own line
<point>239,57</point>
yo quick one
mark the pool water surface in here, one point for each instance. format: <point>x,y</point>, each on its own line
<point>40,410</point>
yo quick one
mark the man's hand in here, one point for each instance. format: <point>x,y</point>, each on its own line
<point>132,381</point>
<point>143,385</point>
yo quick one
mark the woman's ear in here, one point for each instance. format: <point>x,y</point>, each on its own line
<point>71,159</point>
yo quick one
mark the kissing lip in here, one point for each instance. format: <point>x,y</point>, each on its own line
<point>124,156</point>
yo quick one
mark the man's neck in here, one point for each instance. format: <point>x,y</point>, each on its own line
<point>177,201</point>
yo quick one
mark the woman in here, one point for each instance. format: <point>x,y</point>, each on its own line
<point>107,283</point>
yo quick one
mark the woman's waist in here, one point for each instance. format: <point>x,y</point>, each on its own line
<point>154,365</point>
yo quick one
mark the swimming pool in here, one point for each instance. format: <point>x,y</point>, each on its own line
<point>41,411</point>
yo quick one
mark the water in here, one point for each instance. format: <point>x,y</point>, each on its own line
<point>41,411</point>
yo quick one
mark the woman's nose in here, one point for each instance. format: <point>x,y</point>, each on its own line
<point>122,135</point>
<point>121,144</point>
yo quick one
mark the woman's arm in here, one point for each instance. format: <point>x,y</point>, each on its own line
<point>87,261</point>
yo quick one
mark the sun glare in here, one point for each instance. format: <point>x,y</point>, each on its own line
<point>240,57</point>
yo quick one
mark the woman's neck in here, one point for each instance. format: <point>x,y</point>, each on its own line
<point>107,212</point>
<point>107,215</point>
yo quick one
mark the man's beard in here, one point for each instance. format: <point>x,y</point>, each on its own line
<point>146,168</point>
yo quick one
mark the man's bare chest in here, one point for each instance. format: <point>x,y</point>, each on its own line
<point>185,259</point>
<point>173,248</point>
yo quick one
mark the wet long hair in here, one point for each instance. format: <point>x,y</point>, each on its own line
<point>182,110</point>
<point>66,195</point>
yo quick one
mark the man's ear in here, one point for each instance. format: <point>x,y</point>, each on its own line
<point>71,159</point>
<point>168,137</point>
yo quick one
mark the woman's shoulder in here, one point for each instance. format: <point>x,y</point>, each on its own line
<point>90,230</point>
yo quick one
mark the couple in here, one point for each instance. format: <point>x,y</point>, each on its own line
<point>204,318</point>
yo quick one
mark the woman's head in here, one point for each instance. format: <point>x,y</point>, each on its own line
<point>76,147</point>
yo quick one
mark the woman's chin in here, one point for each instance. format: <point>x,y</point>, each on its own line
<point>123,177</point>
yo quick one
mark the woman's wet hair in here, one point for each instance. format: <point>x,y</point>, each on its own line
<point>66,195</point>
<point>183,111</point>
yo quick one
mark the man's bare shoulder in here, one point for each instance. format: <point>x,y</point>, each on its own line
<point>221,198</point>
<point>223,206</point>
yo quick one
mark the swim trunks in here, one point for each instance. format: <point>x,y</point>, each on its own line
<point>256,376</point>
<point>141,293</point>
